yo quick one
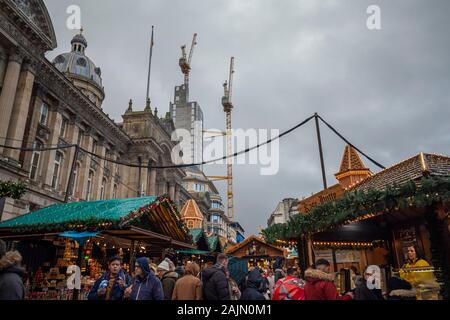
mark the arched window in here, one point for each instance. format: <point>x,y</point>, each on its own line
<point>56,169</point>
<point>114,196</point>
<point>190,224</point>
<point>35,160</point>
<point>75,179</point>
<point>89,185</point>
<point>81,62</point>
<point>43,114</point>
<point>102,189</point>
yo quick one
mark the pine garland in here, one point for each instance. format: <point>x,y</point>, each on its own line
<point>353,205</point>
<point>10,189</point>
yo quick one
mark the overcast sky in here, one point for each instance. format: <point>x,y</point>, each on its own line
<point>387,91</point>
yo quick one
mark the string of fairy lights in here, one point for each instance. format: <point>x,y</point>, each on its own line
<point>334,244</point>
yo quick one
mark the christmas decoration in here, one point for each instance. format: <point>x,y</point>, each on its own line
<point>10,189</point>
<point>358,205</point>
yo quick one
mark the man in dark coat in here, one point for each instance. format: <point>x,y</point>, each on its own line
<point>111,285</point>
<point>168,276</point>
<point>362,291</point>
<point>214,280</point>
<point>254,286</point>
<point>11,273</point>
<point>146,285</point>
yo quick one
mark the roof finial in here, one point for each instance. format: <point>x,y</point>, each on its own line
<point>147,105</point>
<point>81,30</point>
<point>130,106</point>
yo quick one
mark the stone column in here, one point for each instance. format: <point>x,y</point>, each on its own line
<point>144,178</point>
<point>32,130</point>
<point>152,187</point>
<point>177,193</point>
<point>172,190</point>
<point>8,94</point>
<point>97,183</point>
<point>3,65</point>
<point>19,114</point>
<point>112,176</point>
<point>86,165</point>
<point>54,123</point>
<point>72,136</point>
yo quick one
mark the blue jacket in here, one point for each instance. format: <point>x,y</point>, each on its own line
<point>149,287</point>
<point>116,293</point>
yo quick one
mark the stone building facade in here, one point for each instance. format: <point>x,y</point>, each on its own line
<point>59,103</point>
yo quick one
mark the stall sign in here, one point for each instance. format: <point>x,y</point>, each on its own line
<point>324,254</point>
<point>347,256</point>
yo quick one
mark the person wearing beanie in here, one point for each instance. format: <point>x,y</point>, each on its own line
<point>146,285</point>
<point>11,274</point>
<point>168,277</point>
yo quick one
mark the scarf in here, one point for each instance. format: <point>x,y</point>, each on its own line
<point>111,282</point>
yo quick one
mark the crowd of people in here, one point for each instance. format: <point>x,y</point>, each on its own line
<point>166,281</point>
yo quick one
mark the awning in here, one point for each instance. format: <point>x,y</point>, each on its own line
<point>141,219</point>
<point>194,252</point>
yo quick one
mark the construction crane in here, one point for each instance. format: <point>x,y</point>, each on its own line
<point>185,64</point>
<point>228,108</point>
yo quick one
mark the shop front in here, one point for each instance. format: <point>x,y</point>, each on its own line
<point>256,252</point>
<point>396,220</point>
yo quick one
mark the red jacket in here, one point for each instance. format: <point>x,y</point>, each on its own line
<point>289,288</point>
<point>320,286</point>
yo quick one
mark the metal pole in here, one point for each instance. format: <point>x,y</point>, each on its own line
<point>70,183</point>
<point>132,255</point>
<point>149,68</point>
<point>322,163</point>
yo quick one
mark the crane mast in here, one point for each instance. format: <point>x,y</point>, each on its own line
<point>228,107</point>
<point>185,64</point>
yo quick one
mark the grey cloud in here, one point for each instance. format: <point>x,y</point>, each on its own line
<point>387,91</point>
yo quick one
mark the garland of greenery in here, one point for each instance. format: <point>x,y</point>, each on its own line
<point>353,205</point>
<point>10,189</point>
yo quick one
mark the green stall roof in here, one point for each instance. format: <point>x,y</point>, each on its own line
<point>79,212</point>
<point>196,234</point>
<point>214,244</point>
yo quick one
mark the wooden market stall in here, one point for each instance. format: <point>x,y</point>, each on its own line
<point>376,219</point>
<point>206,250</point>
<point>86,234</point>
<point>256,252</point>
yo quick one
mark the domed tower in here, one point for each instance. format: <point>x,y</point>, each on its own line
<point>81,70</point>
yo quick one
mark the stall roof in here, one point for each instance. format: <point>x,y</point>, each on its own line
<point>412,169</point>
<point>196,234</point>
<point>156,215</point>
<point>214,244</point>
<point>249,240</point>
